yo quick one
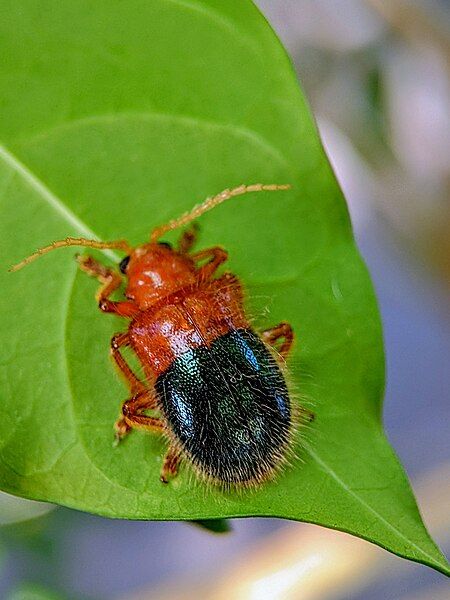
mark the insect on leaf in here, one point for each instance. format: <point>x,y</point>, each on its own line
<point>117,117</point>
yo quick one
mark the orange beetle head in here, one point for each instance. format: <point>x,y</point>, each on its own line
<point>155,270</point>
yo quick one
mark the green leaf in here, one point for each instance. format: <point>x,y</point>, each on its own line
<point>117,116</point>
<point>214,525</point>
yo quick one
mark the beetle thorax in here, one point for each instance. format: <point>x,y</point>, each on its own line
<point>155,271</point>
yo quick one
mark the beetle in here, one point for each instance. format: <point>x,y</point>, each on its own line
<point>218,386</point>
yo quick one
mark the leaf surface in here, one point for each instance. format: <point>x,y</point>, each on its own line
<point>117,116</point>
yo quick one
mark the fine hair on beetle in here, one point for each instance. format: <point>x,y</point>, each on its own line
<point>222,390</point>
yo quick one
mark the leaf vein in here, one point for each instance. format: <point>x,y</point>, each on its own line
<point>46,194</point>
<point>367,506</point>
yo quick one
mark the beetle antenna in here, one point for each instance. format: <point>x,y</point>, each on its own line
<point>71,241</point>
<point>212,202</point>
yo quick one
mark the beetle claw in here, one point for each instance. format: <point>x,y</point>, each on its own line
<point>120,431</point>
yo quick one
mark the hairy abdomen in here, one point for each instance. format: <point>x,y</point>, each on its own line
<point>227,406</point>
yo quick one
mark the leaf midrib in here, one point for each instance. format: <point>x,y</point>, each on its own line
<point>51,199</point>
<point>370,509</point>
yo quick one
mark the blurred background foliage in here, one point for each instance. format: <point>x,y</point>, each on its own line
<point>376,73</point>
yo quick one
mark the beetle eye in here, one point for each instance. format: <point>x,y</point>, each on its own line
<point>124,264</point>
<point>165,244</point>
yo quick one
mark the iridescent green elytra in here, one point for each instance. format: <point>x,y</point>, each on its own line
<point>229,407</point>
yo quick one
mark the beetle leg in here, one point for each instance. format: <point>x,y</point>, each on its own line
<point>270,336</point>
<point>142,398</point>
<point>170,464</point>
<point>216,256</point>
<point>133,418</point>
<point>120,340</point>
<point>188,239</point>
<point>110,281</point>
<point>282,330</point>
